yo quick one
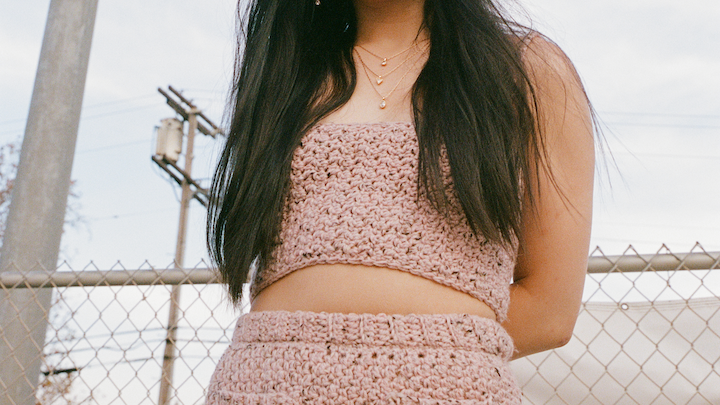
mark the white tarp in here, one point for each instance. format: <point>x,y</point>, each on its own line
<point>632,353</point>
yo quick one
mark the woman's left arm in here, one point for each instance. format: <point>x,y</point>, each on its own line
<point>548,280</point>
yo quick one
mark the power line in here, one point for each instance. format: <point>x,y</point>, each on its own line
<point>664,226</point>
<point>144,331</point>
<point>651,114</point>
<point>111,334</point>
<point>668,155</point>
<point>119,361</point>
<point>118,348</point>
<point>631,114</point>
<point>90,107</point>
<point>20,130</point>
<point>132,109</point>
<point>114,146</point>
<point>132,214</point>
<point>639,124</point>
<point>142,344</point>
<point>12,121</point>
<point>206,91</point>
<point>125,100</point>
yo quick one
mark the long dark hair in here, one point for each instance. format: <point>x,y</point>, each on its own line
<point>295,66</point>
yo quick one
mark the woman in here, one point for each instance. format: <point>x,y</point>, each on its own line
<point>407,186</point>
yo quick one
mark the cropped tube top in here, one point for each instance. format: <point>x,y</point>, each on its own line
<point>353,199</point>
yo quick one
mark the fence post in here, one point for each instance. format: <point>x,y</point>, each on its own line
<point>39,196</point>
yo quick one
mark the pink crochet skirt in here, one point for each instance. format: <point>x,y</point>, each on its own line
<point>279,357</point>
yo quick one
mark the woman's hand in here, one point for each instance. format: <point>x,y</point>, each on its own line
<point>546,294</point>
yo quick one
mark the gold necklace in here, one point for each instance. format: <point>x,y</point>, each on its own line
<point>379,78</point>
<point>384,60</point>
<point>383,103</point>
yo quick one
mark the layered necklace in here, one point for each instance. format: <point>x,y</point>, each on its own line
<point>380,78</point>
<point>384,60</point>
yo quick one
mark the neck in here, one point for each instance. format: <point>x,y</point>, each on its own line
<point>388,26</point>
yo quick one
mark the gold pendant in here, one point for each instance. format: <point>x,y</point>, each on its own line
<point>384,62</point>
<point>379,80</point>
<point>382,104</point>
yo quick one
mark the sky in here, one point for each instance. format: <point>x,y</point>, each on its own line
<point>651,69</point>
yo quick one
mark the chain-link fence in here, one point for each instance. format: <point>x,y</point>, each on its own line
<point>648,333</point>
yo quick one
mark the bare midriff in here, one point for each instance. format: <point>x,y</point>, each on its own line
<point>349,288</point>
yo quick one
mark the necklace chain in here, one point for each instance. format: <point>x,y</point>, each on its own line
<point>383,103</point>
<point>379,78</point>
<point>384,60</point>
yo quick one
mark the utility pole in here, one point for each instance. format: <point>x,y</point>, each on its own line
<point>190,189</point>
<point>39,196</point>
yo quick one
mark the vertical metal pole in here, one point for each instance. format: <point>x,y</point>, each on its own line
<point>39,196</point>
<point>169,357</point>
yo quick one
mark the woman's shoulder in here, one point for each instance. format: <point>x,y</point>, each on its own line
<point>545,62</point>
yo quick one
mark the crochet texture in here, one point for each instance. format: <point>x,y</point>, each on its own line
<point>353,199</point>
<point>293,358</point>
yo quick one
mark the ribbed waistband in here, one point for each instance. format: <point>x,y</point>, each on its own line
<point>462,331</point>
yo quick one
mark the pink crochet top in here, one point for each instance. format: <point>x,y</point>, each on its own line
<point>353,199</point>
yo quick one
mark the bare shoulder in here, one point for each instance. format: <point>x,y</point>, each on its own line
<point>546,62</point>
<point>559,99</point>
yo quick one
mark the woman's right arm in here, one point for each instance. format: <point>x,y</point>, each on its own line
<point>546,293</point>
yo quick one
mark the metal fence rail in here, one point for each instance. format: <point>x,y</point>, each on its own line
<point>648,332</point>
<point>596,264</point>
